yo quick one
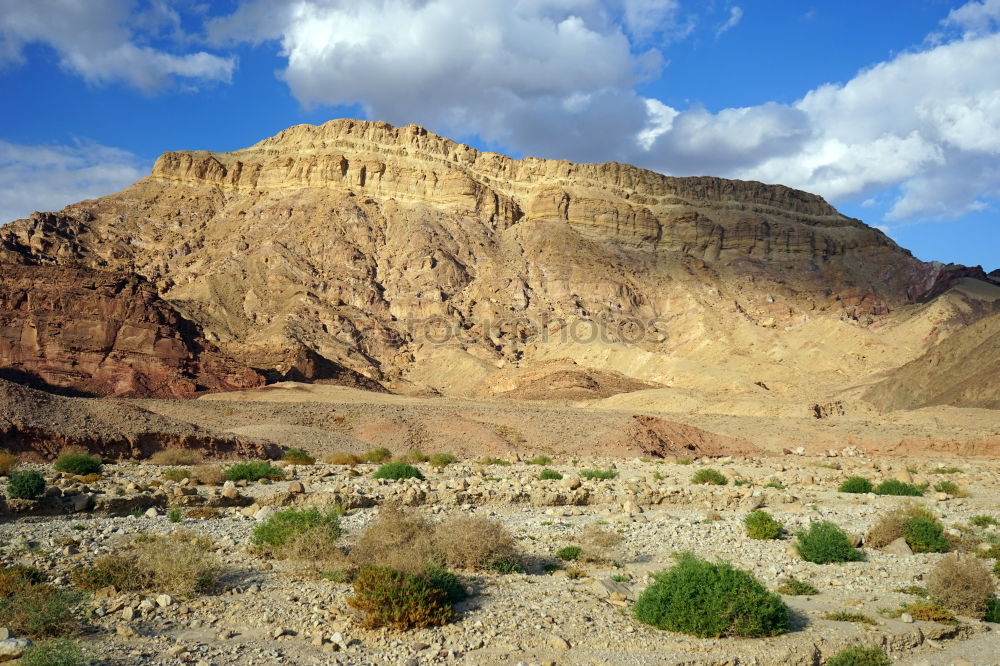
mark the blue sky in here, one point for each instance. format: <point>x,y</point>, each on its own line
<point>890,109</point>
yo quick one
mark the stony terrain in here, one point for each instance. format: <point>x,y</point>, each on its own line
<point>271,611</point>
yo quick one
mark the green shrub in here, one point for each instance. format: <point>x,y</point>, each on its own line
<point>55,652</point>
<point>856,484</point>
<point>983,520</point>
<point>549,475</point>
<point>78,464</point>
<point>447,582</point>
<point>442,459</point>
<point>945,470</point>
<point>397,471</point>
<point>26,485</point>
<point>252,471</point>
<point>505,564</point>
<point>711,600</point>
<point>494,461</point>
<point>925,536</point>
<point>770,484</point>
<point>824,542</point>
<point>860,656</point>
<point>175,474</point>
<point>899,488</point>
<point>400,600</point>
<point>709,477</point>
<point>416,456</point>
<point>849,616</point>
<point>993,611</point>
<point>175,515</point>
<point>683,461</point>
<point>276,531</point>
<point>591,474</point>
<point>569,553</point>
<point>379,455</point>
<point>762,526</point>
<point>40,610</point>
<point>297,457</point>
<point>949,487</point>
<point>928,611</point>
<point>794,587</point>
<point>540,460</point>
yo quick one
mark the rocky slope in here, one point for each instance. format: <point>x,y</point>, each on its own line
<point>100,333</point>
<point>393,255</point>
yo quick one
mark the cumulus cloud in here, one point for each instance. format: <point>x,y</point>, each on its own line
<point>102,41</point>
<point>975,17</point>
<point>48,177</point>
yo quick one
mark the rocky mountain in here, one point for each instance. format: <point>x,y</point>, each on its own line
<point>364,253</point>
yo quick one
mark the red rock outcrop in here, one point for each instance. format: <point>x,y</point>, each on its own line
<point>91,332</point>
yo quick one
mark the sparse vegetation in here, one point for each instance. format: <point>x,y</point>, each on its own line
<point>77,464</point>
<point>963,584</point>
<point>849,616</point>
<point>856,484</point>
<point>208,475</point>
<point>8,461</point>
<point>442,459</point>
<point>26,485</point>
<point>549,475</point>
<point>824,543</point>
<point>202,513</point>
<point>253,471</point>
<point>379,455</point>
<point>276,533</point>
<point>860,656</point>
<point>475,542</point>
<point>898,488</point>
<point>494,461</point>
<point>762,526</point>
<point>540,460</point>
<point>710,600</point>
<point>794,587</point>
<point>919,526</point>
<point>949,487</point>
<point>31,607</point>
<point>398,470</point>
<point>777,485</point>
<point>175,474</point>
<point>925,536</point>
<point>682,461</point>
<point>983,520</point>
<point>709,477</point>
<point>55,652</point>
<point>416,456</point>
<point>926,611</point>
<point>175,457</point>
<point>601,474</point>
<point>945,470</point>
<point>598,544</point>
<point>344,458</point>
<point>297,457</point>
<point>569,553</point>
<point>400,600</point>
<point>175,515</point>
<point>993,611</point>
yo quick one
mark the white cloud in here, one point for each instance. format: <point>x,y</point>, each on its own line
<point>101,41</point>
<point>735,16</point>
<point>48,177</point>
<point>975,18</point>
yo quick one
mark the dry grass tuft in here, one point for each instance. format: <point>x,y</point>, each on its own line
<point>203,513</point>
<point>8,461</point>
<point>208,475</point>
<point>397,539</point>
<point>599,545</point>
<point>177,457</point>
<point>73,450</point>
<point>474,542</point>
<point>961,583</point>
<point>342,458</point>
<point>891,526</point>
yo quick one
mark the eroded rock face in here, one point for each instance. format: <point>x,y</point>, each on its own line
<point>107,334</point>
<point>355,240</point>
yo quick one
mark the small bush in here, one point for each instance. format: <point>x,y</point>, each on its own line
<point>891,526</point>
<point>297,457</point>
<point>549,475</point>
<point>342,458</point>
<point>400,600</point>
<point>926,611</point>
<point>898,488</point>
<point>379,455</point>
<point>777,485</point>
<point>993,611</point>
<point>8,461</point>
<point>599,545</point>
<point>277,530</point>
<point>603,474</point>
<point>682,461</point>
<point>253,471</point>
<point>39,610</point>
<point>175,515</point>
<point>506,565</point>
<point>945,470</point>
<point>416,456</point>
<point>474,542</point>
<point>175,457</point>
<point>860,656</point>
<point>794,587</point>
<point>824,543</point>
<point>709,477</point>
<point>176,474</point>
<point>569,553</point>
<point>442,459</point>
<point>983,520</point>
<point>26,485</point>
<point>848,616</point>
<point>949,487</point>
<point>494,461</point>
<point>78,464</point>
<point>711,600</point>
<point>856,484</point>
<point>762,526</point>
<point>55,652</point>
<point>397,471</point>
<point>925,536</point>
<point>962,584</point>
<point>540,460</point>
<point>398,539</point>
<point>208,475</point>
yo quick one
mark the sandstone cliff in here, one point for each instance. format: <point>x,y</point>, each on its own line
<point>91,332</point>
<point>398,256</point>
